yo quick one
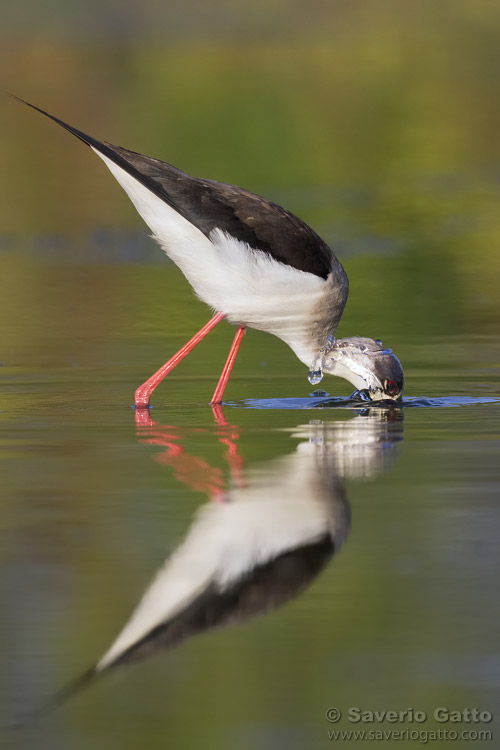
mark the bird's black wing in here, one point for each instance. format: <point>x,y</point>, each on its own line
<point>248,217</point>
<point>210,205</point>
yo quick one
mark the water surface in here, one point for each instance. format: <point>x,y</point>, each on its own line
<point>391,601</point>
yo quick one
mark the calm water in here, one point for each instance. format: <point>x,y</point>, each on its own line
<point>356,548</point>
<point>388,601</point>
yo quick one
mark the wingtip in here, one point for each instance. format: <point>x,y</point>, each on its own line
<point>106,149</point>
<point>62,696</point>
<point>23,101</point>
<point>87,139</point>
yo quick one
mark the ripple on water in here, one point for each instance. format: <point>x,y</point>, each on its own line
<point>322,400</point>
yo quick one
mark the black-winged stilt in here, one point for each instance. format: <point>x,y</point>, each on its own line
<point>256,264</point>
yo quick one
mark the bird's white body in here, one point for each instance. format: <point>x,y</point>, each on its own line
<point>249,286</point>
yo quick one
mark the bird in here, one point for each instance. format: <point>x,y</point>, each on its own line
<point>255,264</point>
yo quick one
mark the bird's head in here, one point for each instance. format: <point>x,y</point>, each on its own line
<point>367,365</point>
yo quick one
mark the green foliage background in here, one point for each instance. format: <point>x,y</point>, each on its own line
<point>376,122</point>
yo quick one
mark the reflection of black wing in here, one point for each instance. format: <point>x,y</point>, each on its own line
<point>210,205</point>
<point>263,588</point>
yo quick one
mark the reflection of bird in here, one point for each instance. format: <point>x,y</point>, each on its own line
<point>266,543</point>
<point>253,262</point>
<point>243,557</point>
<point>274,533</point>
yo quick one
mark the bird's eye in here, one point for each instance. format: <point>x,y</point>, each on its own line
<point>391,388</point>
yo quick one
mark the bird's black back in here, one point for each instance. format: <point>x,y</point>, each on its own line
<point>210,205</point>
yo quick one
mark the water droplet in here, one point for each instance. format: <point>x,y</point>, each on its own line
<point>379,342</point>
<point>315,376</point>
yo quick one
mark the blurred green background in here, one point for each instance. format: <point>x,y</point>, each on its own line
<point>376,122</point>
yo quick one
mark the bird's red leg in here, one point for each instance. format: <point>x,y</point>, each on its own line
<point>226,372</point>
<point>143,393</point>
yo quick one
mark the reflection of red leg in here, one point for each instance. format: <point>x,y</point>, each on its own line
<point>218,413</point>
<point>143,418</point>
<point>143,393</point>
<point>228,437</point>
<point>192,470</point>
<point>234,459</point>
<point>188,469</point>
<point>226,372</point>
